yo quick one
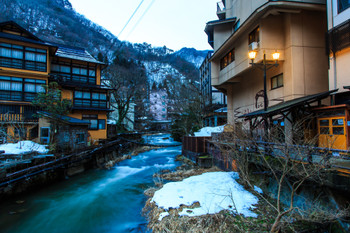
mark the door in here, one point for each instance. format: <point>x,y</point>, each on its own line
<point>332,133</point>
<point>45,135</point>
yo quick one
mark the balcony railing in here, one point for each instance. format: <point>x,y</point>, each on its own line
<point>16,117</point>
<point>85,103</point>
<point>72,79</point>
<point>339,37</point>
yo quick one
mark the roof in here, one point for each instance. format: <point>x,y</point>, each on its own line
<point>75,53</point>
<point>65,119</point>
<point>210,25</point>
<point>13,26</point>
<point>273,110</point>
<point>63,51</point>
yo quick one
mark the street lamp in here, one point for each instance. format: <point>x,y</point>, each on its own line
<point>265,65</point>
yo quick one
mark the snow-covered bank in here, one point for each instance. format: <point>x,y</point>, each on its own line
<point>215,191</point>
<point>206,131</point>
<point>23,147</point>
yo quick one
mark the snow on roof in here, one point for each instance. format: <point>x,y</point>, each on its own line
<point>215,191</point>
<point>23,147</point>
<point>206,131</point>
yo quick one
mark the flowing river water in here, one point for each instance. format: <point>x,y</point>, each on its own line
<point>95,201</point>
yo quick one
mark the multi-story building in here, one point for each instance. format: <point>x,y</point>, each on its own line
<point>295,29</point>
<point>333,122</point>
<point>213,101</point>
<point>26,63</point>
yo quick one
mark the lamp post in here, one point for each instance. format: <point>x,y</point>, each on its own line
<point>265,65</point>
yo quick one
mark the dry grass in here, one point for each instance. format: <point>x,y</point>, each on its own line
<point>224,221</point>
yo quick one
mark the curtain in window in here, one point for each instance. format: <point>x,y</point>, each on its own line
<point>86,95</point>
<point>65,69</point>
<point>16,87</point>
<point>5,85</point>
<point>30,56</point>
<point>83,71</point>
<point>28,87</point>
<point>78,94</point>
<point>93,124</point>
<point>41,57</point>
<point>5,52</point>
<point>18,54</point>
<point>76,70</point>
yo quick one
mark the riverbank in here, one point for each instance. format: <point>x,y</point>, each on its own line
<point>223,221</point>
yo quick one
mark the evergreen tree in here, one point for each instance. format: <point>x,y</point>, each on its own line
<point>50,101</point>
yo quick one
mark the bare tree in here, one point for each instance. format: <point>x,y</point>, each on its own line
<point>185,104</point>
<point>290,166</point>
<point>128,84</point>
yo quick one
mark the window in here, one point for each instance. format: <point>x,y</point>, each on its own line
<point>19,89</point>
<point>343,5</point>
<point>90,99</point>
<point>254,36</point>
<point>95,123</point>
<point>227,59</point>
<point>75,73</point>
<point>21,57</point>
<point>80,138</point>
<point>102,124</point>
<point>277,81</point>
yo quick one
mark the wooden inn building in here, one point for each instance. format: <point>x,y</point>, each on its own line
<point>27,63</point>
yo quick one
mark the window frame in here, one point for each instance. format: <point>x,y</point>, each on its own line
<point>24,62</point>
<point>21,95</point>
<point>277,77</point>
<point>91,102</point>
<point>227,59</point>
<point>344,7</point>
<point>75,73</point>
<point>254,36</point>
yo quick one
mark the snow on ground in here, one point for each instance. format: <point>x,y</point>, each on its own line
<point>215,191</point>
<point>206,131</point>
<point>23,147</point>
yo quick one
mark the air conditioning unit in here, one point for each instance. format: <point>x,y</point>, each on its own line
<point>253,46</point>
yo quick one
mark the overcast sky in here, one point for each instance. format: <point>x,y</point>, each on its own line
<point>173,23</point>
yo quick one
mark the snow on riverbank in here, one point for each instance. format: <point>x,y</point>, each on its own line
<point>215,191</point>
<point>23,147</point>
<point>206,131</point>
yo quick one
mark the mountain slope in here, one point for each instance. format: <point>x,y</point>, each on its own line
<point>56,21</point>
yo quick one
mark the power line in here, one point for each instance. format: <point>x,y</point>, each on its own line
<point>144,13</point>
<point>137,8</point>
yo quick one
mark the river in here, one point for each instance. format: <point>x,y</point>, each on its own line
<point>95,201</point>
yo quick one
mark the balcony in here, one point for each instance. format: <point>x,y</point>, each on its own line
<point>339,37</point>
<point>90,104</point>
<point>221,10</point>
<point>72,80</point>
<point>16,118</point>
